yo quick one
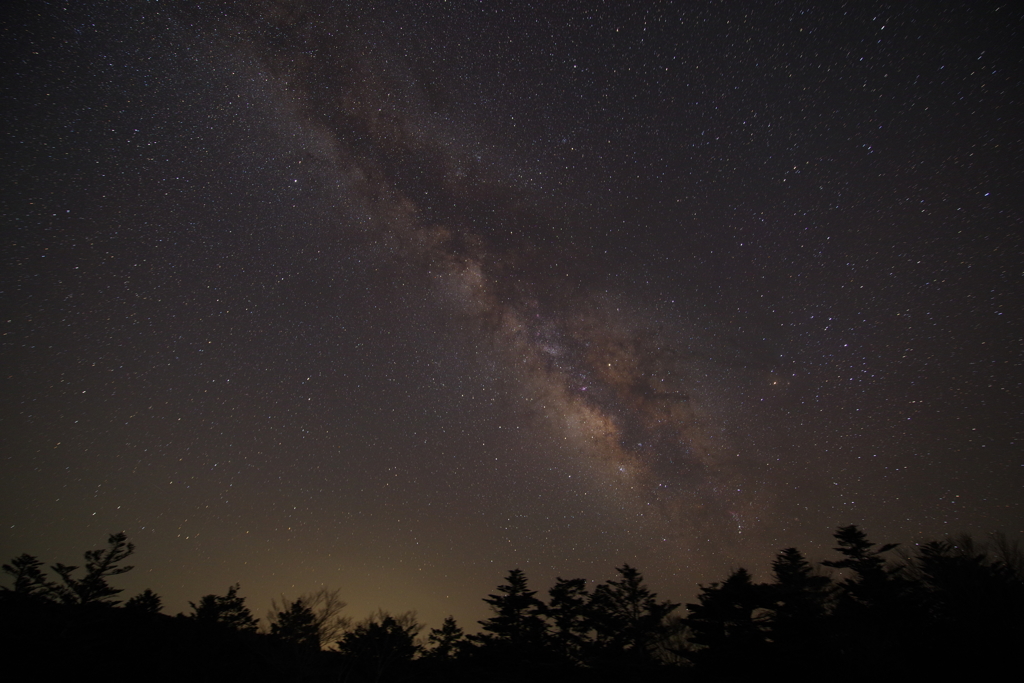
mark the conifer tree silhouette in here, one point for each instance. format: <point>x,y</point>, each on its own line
<point>872,583</point>
<point>568,613</point>
<point>517,614</point>
<point>91,589</point>
<point>446,641</point>
<point>146,602</point>
<point>226,610</point>
<point>99,564</point>
<point>29,578</point>
<point>726,622</point>
<point>380,644</point>
<point>297,625</point>
<point>797,597</point>
<point>627,617</point>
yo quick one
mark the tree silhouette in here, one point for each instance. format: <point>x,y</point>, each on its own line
<point>326,605</point>
<point>797,597</point>
<point>726,621</point>
<point>874,608</point>
<point>797,603</point>
<point>627,617</point>
<point>99,564</point>
<point>447,640</point>
<point>517,614</point>
<point>29,578</point>
<point>568,612</point>
<point>91,589</point>
<point>969,594</point>
<point>146,602</point>
<point>225,610</point>
<point>872,582</point>
<point>297,625</point>
<point>380,643</point>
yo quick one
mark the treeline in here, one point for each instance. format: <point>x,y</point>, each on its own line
<point>945,607</point>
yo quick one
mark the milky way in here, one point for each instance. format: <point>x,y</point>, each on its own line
<point>624,393</point>
<point>393,297</point>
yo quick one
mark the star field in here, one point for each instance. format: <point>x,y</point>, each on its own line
<point>394,297</point>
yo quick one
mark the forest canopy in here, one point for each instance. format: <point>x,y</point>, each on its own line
<point>948,604</point>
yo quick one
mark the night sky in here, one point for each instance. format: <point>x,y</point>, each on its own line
<point>394,297</point>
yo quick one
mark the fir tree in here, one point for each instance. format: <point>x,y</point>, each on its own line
<point>225,610</point>
<point>297,625</point>
<point>568,613</point>
<point>517,614</point>
<point>29,578</point>
<point>146,602</point>
<point>446,641</point>
<point>627,617</point>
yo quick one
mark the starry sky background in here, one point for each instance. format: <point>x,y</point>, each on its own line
<point>394,297</point>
